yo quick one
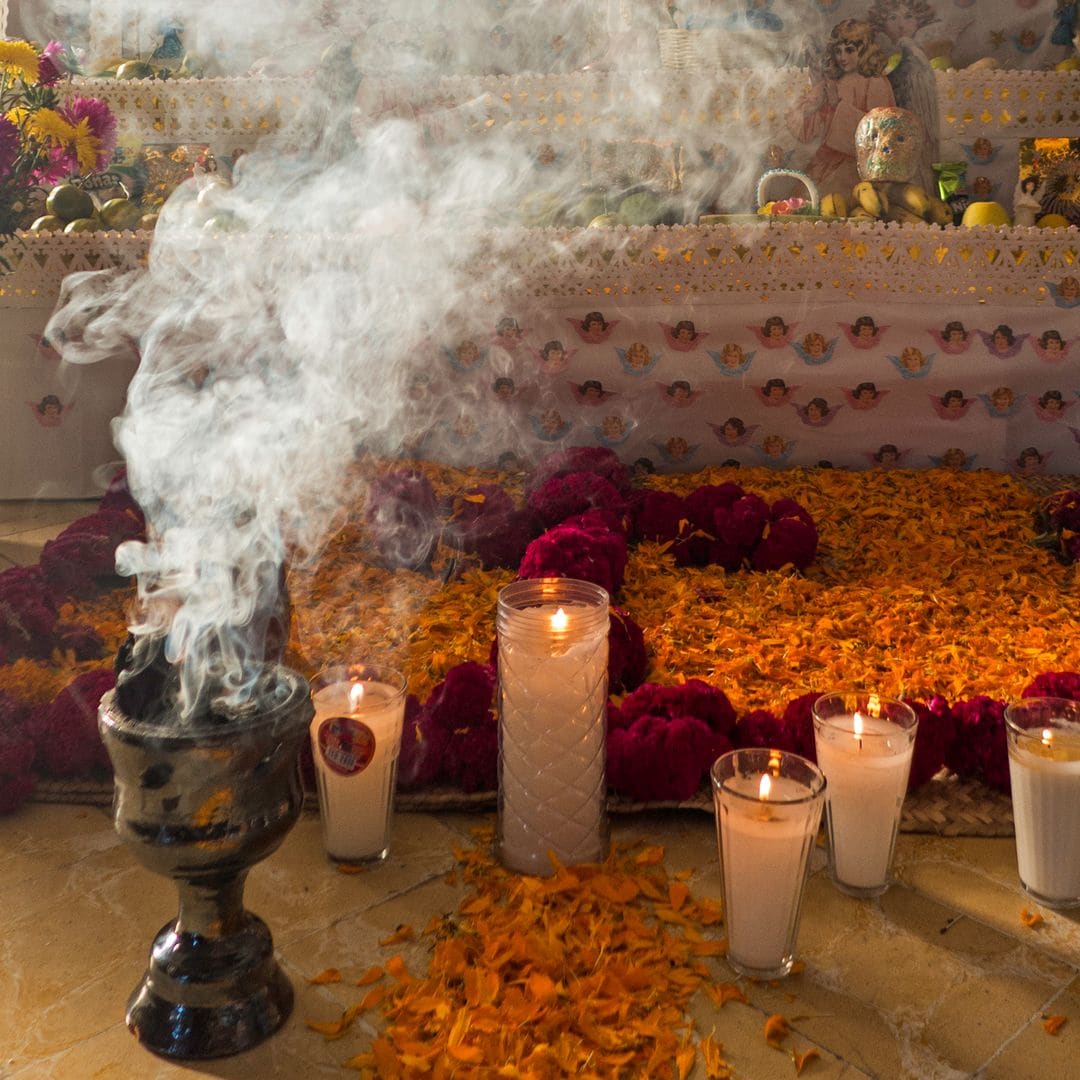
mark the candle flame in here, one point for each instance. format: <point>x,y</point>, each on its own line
<point>765,786</point>
<point>356,696</point>
<point>1047,736</point>
<point>858,724</point>
<point>560,620</point>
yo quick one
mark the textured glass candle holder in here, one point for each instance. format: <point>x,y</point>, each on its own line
<point>553,655</point>
<point>864,744</point>
<point>765,834</point>
<point>1044,767</point>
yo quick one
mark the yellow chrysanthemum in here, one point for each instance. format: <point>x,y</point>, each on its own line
<point>49,126</point>
<point>87,145</point>
<point>19,59</point>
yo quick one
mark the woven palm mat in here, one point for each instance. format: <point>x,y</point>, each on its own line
<point>944,807</point>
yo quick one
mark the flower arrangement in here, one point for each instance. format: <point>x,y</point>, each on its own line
<point>44,141</point>
<point>1057,525</point>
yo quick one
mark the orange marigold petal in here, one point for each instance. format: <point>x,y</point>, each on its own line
<point>329,975</point>
<point>1052,1024</point>
<point>1030,918</point>
<point>776,1028</point>
<point>804,1059</point>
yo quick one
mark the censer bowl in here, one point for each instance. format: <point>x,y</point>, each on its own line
<point>201,801</point>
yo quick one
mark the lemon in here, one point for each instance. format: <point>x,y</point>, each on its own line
<point>120,214</point>
<point>1072,63</point>
<point>941,63</point>
<point>83,224</point>
<point>68,202</point>
<point>1053,221</point>
<point>603,221</point>
<point>47,223</point>
<point>986,213</point>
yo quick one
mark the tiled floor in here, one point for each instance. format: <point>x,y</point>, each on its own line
<point>938,979</point>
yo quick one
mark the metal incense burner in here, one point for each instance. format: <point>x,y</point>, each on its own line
<point>201,801</point>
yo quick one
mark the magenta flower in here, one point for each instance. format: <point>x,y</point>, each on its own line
<point>100,120</point>
<point>1059,684</point>
<point>51,64</point>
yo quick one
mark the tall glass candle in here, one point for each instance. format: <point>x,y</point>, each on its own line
<point>768,808</point>
<point>355,741</point>
<point>1044,767</point>
<point>864,744</point>
<point>553,655</point>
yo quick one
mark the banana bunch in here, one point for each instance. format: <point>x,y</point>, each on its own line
<point>887,200</point>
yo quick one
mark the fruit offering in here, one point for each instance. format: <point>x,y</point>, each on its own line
<point>71,209</point>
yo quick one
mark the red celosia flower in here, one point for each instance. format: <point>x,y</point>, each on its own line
<point>933,740</point>
<point>691,698</point>
<point>627,660</point>
<point>1059,684</point>
<point>798,722</point>
<point>423,744</point>
<point>660,517</point>
<point>743,521</point>
<point>400,515</point>
<point>701,505</point>
<point>27,612</point>
<point>66,731</point>
<point>979,749</point>
<point>16,759</point>
<point>83,556</point>
<point>762,728</point>
<point>790,541</point>
<point>485,522</point>
<point>578,459</point>
<point>573,493</point>
<point>595,555</point>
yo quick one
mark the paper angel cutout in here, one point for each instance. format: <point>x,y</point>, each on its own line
<point>863,333</point>
<point>1051,347</point>
<point>591,392</point>
<point>953,338</point>
<point>50,411</point>
<point>549,426</point>
<point>1065,293</point>
<point>593,328</point>
<point>775,392</point>
<point>864,396</point>
<point>775,450</point>
<point>774,333</point>
<point>1030,462</point>
<point>1051,405</point>
<point>613,431</point>
<point>636,359</point>
<point>981,151</point>
<point>683,336</point>
<point>1002,403</point>
<point>732,360</point>
<point>676,451</point>
<point>553,358</point>
<point>816,412</point>
<point>44,348</point>
<point>814,349</point>
<point>1027,41</point>
<point>954,458</point>
<point>887,456</point>
<point>679,393</point>
<point>912,363</point>
<point>508,334</point>
<point>1002,342</point>
<point>466,357</point>
<point>952,405</point>
<point>733,432</point>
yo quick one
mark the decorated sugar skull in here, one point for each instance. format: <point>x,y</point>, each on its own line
<point>887,144</point>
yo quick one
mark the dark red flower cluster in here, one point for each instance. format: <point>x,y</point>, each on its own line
<point>581,459</point>
<point>66,731</point>
<point>17,779</point>
<point>663,740</point>
<point>628,662</point>
<point>82,558</point>
<point>979,749</point>
<point>401,514</point>
<point>934,738</point>
<point>591,553</point>
<point>1058,525</point>
<point>484,521</point>
<point>27,613</point>
<point>792,731</point>
<point>454,737</point>
<point>568,494</point>
<point>1059,684</point>
<point>725,525</point>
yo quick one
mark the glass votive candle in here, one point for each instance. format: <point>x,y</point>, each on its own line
<point>1044,767</point>
<point>355,741</point>
<point>553,656</point>
<point>768,808</point>
<point>864,744</point>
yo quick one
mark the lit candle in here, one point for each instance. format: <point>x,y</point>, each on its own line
<point>1044,767</point>
<point>864,745</point>
<point>355,741</point>
<point>768,808</point>
<point>553,654</point>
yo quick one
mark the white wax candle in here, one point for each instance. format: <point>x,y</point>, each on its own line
<point>1046,813</point>
<point>867,776</point>
<point>553,698</point>
<point>764,847</point>
<point>355,739</point>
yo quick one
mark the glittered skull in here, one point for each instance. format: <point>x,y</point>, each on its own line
<point>887,144</point>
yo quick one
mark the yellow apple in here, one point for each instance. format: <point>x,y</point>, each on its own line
<point>1053,221</point>
<point>986,213</point>
<point>1070,64</point>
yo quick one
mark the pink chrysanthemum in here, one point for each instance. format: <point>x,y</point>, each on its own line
<point>51,64</point>
<point>100,120</point>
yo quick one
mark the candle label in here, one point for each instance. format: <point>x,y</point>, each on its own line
<point>346,745</point>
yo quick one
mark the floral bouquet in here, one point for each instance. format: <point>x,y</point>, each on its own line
<point>43,141</point>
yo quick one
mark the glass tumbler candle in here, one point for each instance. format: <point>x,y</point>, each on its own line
<point>355,741</point>
<point>768,808</point>
<point>1044,767</point>
<point>864,744</point>
<point>553,655</point>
